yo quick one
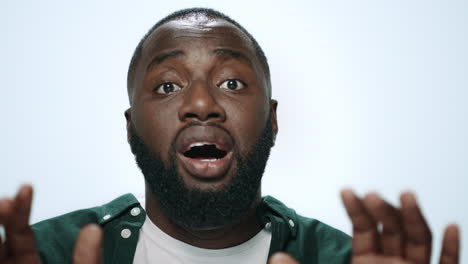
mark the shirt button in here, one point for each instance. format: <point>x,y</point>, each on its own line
<point>135,211</point>
<point>107,216</point>
<point>126,233</point>
<point>291,223</point>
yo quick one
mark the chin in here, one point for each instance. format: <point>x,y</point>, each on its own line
<point>205,184</point>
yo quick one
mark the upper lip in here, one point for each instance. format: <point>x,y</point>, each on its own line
<point>204,134</point>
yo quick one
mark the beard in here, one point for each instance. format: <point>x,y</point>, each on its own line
<point>202,209</point>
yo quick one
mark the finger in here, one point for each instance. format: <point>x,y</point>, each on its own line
<point>19,234</point>
<point>392,236</point>
<point>14,213</point>
<point>417,233</point>
<point>450,245</point>
<point>365,235</point>
<point>23,202</point>
<point>281,258</point>
<point>6,209</point>
<point>88,245</point>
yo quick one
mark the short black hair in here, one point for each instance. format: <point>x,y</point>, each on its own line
<point>210,13</point>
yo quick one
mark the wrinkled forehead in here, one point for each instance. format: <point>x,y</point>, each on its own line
<point>193,31</point>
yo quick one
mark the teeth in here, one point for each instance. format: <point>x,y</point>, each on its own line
<point>208,160</point>
<point>199,144</point>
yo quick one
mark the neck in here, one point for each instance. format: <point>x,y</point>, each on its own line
<point>215,238</point>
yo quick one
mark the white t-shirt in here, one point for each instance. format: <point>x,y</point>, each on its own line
<point>155,246</point>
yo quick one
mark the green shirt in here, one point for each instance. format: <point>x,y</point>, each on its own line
<point>308,240</point>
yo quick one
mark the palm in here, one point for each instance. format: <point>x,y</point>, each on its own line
<point>20,246</point>
<point>385,234</point>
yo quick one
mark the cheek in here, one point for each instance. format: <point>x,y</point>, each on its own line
<point>248,120</point>
<point>156,125</point>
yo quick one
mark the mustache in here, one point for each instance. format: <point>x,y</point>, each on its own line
<point>191,124</point>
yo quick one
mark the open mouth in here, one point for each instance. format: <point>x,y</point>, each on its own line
<point>204,152</point>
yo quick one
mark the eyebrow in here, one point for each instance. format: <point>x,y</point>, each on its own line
<point>164,57</point>
<point>231,53</point>
<point>178,53</point>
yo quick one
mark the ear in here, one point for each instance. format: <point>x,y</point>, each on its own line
<point>274,120</point>
<point>128,117</point>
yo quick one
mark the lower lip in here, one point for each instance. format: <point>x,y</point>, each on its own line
<point>206,169</point>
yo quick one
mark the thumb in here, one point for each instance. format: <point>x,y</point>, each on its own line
<point>88,245</point>
<point>281,258</point>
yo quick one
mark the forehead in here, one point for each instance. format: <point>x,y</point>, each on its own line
<point>195,32</point>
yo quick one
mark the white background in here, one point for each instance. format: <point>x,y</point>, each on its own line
<point>372,95</point>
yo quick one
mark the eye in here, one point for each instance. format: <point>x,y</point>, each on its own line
<point>167,88</point>
<point>232,84</point>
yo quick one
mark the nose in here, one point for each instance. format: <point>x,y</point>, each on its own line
<point>200,103</point>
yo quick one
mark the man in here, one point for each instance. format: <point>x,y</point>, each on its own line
<point>201,124</point>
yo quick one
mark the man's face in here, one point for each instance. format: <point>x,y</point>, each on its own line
<point>200,100</point>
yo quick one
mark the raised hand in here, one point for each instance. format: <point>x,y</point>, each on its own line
<point>385,234</point>
<point>20,246</point>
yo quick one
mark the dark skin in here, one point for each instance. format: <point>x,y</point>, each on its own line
<point>201,62</point>
<point>200,73</point>
<point>208,55</point>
